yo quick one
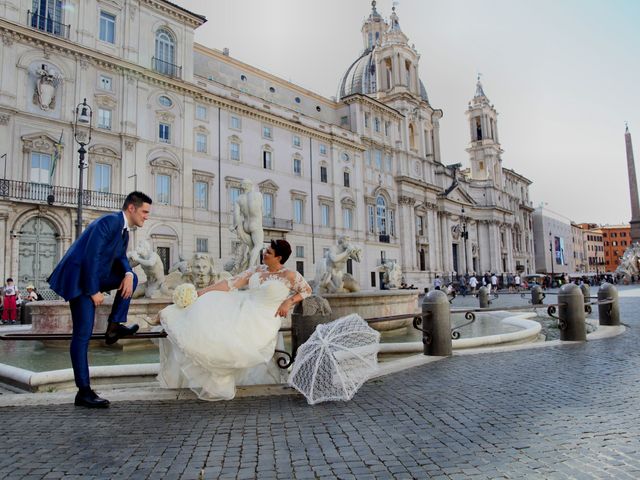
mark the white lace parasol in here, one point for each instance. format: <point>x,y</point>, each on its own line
<point>336,360</point>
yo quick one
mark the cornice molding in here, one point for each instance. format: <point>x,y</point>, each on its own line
<point>176,12</point>
<point>54,45</point>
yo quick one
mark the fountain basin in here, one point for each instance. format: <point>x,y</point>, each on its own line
<point>378,303</point>
<point>55,317</point>
<point>526,331</point>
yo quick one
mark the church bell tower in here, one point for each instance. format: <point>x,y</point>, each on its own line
<point>484,148</point>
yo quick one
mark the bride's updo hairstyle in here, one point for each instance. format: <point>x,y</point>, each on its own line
<point>282,249</point>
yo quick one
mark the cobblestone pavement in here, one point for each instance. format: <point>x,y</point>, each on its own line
<point>559,412</point>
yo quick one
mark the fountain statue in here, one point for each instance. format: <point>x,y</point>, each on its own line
<point>247,223</point>
<point>392,274</point>
<point>330,276</point>
<point>630,262</point>
<point>152,266</point>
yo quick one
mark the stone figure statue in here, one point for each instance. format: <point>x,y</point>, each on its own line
<point>247,223</point>
<point>330,269</point>
<point>392,274</point>
<point>630,262</point>
<point>153,269</point>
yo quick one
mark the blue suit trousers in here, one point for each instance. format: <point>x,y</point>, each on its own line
<point>83,313</point>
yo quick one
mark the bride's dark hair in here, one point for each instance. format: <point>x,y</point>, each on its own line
<point>282,249</point>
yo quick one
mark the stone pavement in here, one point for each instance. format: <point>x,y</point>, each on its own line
<point>567,411</point>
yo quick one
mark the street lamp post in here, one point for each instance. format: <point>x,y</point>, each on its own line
<point>83,117</point>
<point>551,255</point>
<point>465,237</point>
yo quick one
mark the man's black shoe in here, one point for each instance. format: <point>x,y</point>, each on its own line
<point>88,398</point>
<point>115,331</point>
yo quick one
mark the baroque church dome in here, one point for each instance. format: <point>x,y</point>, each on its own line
<point>360,77</point>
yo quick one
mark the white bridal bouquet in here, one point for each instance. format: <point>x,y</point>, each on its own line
<point>184,295</point>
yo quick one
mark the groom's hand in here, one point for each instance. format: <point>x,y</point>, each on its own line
<point>126,286</point>
<point>97,298</point>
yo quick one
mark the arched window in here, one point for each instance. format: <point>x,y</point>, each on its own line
<point>165,59</point>
<point>381,215</point>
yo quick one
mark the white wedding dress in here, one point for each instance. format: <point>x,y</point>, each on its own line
<point>225,338</point>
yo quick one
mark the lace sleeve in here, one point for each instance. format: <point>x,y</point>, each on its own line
<point>240,280</point>
<point>301,286</point>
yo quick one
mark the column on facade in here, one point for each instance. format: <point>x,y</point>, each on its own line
<point>432,237</point>
<point>435,118</point>
<point>511,264</point>
<point>485,126</point>
<point>395,60</point>
<point>484,247</point>
<point>494,242</point>
<point>406,225</point>
<point>445,235</point>
<point>8,62</point>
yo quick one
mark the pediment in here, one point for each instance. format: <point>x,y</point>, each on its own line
<point>459,195</point>
<point>102,150</point>
<point>40,142</point>
<point>268,185</point>
<point>163,163</point>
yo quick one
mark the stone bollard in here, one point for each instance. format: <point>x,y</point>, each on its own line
<point>436,334</point>
<point>586,293</point>
<point>608,314</point>
<point>307,315</point>
<point>571,313</point>
<point>537,295</point>
<point>483,297</point>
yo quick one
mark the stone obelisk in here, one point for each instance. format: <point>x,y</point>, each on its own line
<point>633,189</point>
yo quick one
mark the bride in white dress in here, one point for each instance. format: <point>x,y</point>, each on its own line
<point>227,332</point>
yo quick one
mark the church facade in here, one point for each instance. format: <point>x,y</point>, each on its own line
<point>186,123</point>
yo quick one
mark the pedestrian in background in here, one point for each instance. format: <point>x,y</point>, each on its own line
<point>10,303</point>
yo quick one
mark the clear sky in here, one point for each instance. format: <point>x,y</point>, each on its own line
<point>564,76</point>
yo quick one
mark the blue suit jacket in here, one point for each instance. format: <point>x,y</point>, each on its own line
<point>100,251</point>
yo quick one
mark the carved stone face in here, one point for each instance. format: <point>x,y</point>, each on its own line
<point>201,271</point>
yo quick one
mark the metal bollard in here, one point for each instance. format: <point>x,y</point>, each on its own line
<point>608,314</point>
<point>537,295</point>
<point>586,293</point>
<point>483,297</point>
<point>571,313</point>
<point>436,324</point>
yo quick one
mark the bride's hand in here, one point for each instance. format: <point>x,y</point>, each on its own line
<point>283,310</point>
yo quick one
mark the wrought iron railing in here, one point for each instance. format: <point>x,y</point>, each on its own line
<point>56,195</point>
<point>277,223</point>
<point>166,68</point>
<point>47,24</point>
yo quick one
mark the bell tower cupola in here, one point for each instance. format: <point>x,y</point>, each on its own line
<point>373,28</point>
<point>484,148</point>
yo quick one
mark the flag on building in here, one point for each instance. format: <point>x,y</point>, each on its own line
<point>57,153</point>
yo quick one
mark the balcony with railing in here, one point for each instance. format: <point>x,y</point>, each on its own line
<point>280,224</point>
<point>166,68</point>
<point>56,195</point>
<point>47,24</point>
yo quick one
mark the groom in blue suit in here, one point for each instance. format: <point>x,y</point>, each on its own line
<point>95,263</point>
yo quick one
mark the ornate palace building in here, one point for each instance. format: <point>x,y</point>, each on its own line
<point>185,123</point>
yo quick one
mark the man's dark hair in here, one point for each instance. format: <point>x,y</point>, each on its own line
<point>11,279</point>
<point>282,249</point>
<point>136,199</point>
